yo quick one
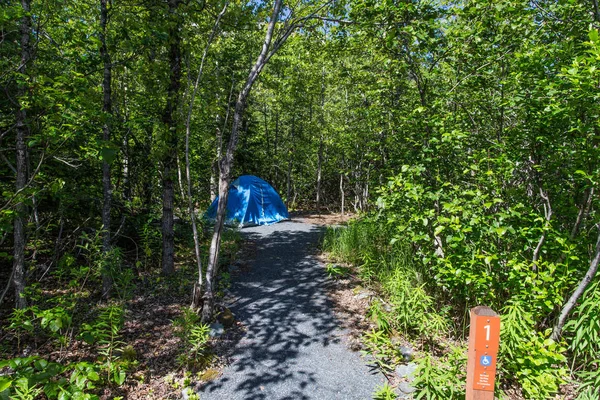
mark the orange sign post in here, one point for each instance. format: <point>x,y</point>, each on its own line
<point>484,341</point>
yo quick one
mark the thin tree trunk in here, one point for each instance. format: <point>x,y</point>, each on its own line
<point>180,178</point>
<point>583,212</point>
<point>266,122</point>
<point>36,219</point>
<point>126,179</point>
<point>106,182</point>
<point>289,168</point>
<point>226,163</point>
<point>365,200</point>
<point>214,185</point>
<point>319,173</point>
<point>197,292</point>
<point>570,304</point>
<point>548,216</point>
<point>170,164</point>
<point>276,138</point>
<point>342,191</point>
<point>18,275</point>
<point>321,144</point>
<point>125,148</point>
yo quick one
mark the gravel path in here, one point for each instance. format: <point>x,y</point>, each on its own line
<point>294,348</point>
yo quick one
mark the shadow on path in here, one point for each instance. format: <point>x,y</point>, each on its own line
<point>292,348</point>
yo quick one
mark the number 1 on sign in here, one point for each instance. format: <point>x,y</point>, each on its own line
<point>487,332</point>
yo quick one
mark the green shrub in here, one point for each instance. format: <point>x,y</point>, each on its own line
<point>583,330</point>
<point>195,352</point>
<point>104,334</point>
<point>531,357</point>
<point>443,377</point>
<point>386,392</point>
<point>385,353</point>
<point>31,377</point>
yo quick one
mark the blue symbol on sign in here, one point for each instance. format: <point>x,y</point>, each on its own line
<point>486,361</point>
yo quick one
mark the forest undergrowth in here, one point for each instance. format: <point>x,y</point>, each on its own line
<point>425,299</point>
<point>143,343</point>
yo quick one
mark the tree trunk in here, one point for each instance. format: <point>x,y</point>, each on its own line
<point>21,162</point>
<point>214,173</point>
<point>180,178</point>
<point>107,110</point>
<point>570,304</point>
<point>548,217</point>
<point>196,295</point>
<point>125,144</point>
<point>170,159</point>
<point>266,122</point>
<point>214,185</point>
<point>289,167</point>
<point>342,191</point>
<point>365,200</point>
<point>319,173</point>
<point>321,144</point>
<point>126,181</point>
<point>226,163</point>
<point>275,140</point>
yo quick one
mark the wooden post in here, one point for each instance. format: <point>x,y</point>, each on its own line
<point>484,341</point>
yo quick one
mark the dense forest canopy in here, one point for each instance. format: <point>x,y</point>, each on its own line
<point>466,130</point>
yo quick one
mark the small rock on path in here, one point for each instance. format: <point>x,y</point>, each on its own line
<point>294,348</point>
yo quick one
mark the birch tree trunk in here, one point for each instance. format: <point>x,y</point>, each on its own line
<point>125,144</point>
<point>197,291</point>
<point>276,139</point>
<point>107,110</point>
<point>226,163</point>
<point>179,175</point>
<point>266,123</point>
<point>319,172</point>
<point>342,192</point>
<point>21,162</point>
<point>321,144</point>
<point>289,166</point>
<point>219,147</point>
<point>170,158</point>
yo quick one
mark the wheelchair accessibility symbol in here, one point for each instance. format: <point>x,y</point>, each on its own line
<point>486,361</point>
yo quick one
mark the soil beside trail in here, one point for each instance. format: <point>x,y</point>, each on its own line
<point>293,347</point>
<point>325,219</point>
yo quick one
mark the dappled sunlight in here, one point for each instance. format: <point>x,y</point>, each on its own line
<point>294,347</point>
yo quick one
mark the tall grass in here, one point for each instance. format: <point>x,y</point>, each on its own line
<point>388,266</point>
<point>366,243</point>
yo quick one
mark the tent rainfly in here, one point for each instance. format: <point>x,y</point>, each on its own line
<point>252,201</point>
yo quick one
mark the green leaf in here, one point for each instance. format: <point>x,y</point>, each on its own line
<point>93,376</point>
<point>500,231</point>
<point>119,377</point>
<point>41,364</point>
<point>5,383</point>
<point>22,383</point>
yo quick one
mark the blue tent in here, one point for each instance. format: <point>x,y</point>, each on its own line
<point>252,201</point>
